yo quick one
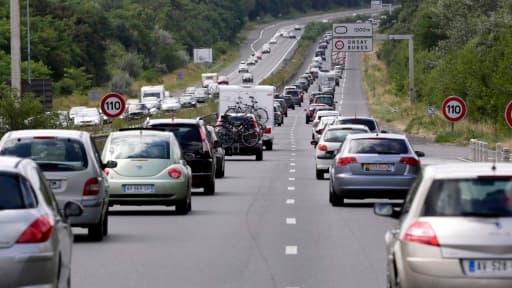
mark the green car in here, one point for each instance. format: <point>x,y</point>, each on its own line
<point>150,170</point>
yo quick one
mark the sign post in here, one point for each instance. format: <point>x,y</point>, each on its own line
<point>454,109</point>
<point>112,105</point>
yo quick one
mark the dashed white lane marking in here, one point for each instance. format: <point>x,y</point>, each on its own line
<point>292,170</point>
<point>291,221</point>
<point>290,201</point>
<point>291,188</point>
<point>291,179</point>
<point>292,164</point>
<point>291,250</point>
<point>293,154</point>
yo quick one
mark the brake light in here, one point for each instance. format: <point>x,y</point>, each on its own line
<point>268,130</point>
<point>321,147</point>
<point>410,161</point>
<point>175,173</point>
<point>107,171</point>
<point>421,232</point>
<point>343,161</point>
<point>38,232</point>
<point>91,187</point>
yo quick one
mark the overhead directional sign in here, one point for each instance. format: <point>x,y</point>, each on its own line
<point>454,108</point>
<point>352,30</point>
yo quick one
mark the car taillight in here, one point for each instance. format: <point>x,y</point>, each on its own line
<point>410,161</point>
<point>107,171</point>
<point>342,161</point>
<point>38,232</point>
<point>91,187</point>
<point>268,130</point>
<point>175,173</point>
<point>321,147</point>
<point>421,232</point>
<point>44,137</point>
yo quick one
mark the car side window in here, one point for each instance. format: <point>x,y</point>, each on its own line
<point>28,193</point>
<point>96,153</point>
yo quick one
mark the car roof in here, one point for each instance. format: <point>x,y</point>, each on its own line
<point>357,117</point>
<point>171,120</point>
<point>344,126</point>
<point>47,132</point>
<point>378,135</point>
<point>141,132</point>
<point>327,112</point>
<point>9,163</point>
<point>458,170</point>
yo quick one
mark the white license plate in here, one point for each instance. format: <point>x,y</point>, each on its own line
<point>491,268</point>
<point>139,188</point>
<point>377,167</point>
<point>55,184</point>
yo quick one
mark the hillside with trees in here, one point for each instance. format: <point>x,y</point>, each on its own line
<point>462,47</point>
<point>82,44</point>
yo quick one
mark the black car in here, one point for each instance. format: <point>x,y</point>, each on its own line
<point>196,147</point>
<point>283,104</point>
<point>219,151</point>
<point>240,134</point>
<point>289,101</point>
<point>325,99</point>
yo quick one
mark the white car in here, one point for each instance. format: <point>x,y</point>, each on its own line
<point>170,104</point>
<point>74,110</point>
<point>273,41</point>
<point>243,68</point>
<point>265,49</point>
<point>247,78</point>
<point>88,117</point>
<point>201,94</point>
<point>321,124</point>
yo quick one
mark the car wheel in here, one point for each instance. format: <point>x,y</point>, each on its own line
<point>319,174</point>
<point>269,146</point>
<point>209,189</point>
<point>219,173</point>
<point>184,206</point>
<point>334,199</point>
<point>95,232</point>
<point>259,155</point>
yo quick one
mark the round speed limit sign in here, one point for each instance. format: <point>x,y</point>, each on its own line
<point>454,108</point>
<point>112,105</point>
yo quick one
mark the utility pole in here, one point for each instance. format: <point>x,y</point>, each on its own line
<point>15,47</point>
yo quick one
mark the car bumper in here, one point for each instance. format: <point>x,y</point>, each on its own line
<point>243,150</point>
<point>360,187</point>
<point>33,265</point>
<point>165,193</point>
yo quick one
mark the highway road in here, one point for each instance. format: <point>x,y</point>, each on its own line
<point>269,224</point>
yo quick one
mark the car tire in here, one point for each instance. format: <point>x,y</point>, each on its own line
<point>269,146</point>
<point>335,200</point>
<point>220,173</point>
<point>209,189</point>
<point>184,207</point>
<point>95,231</point>
<point>259,155</point>
<point>319,174</point>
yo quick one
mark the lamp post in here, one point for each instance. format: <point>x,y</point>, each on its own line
<point>15,47</point>
<point>29,79</point>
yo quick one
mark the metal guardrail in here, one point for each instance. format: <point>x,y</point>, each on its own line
<point>479,152</point>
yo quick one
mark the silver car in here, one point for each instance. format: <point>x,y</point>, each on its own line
<point>454,230</point>
<point>35,238</point>
<point>329,143</point>
<point>72,166</point>
<point>373,166</point>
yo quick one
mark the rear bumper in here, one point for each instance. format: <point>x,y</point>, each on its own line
<point>202,171</point>
<point>361,187</point>
<point>243,150</point>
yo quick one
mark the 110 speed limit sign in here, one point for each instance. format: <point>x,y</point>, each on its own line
<point>112,105</point>
<point>454,108</point>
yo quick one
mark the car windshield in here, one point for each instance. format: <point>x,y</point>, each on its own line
<point>339,135</point>
<point>135,146</point>
<point>51,154</point>
<point>185,133</point>
<point>15,194</point>
<point>361,121</point>
<point>87,112</point>
<point>378,146</point>
<point>480,197</point>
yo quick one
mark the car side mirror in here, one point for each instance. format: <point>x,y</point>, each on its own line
<point>419,153</point>
<point>110,164</point>
<point>72,209</point>
<point>386,210</point>
<point>314,142</point>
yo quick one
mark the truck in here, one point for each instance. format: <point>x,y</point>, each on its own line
<point>209,78</point>
<point>327,79</point>
<point>259,96</point>
<point>152,96</point>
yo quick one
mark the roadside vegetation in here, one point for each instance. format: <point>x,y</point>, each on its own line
<point>463,48</point>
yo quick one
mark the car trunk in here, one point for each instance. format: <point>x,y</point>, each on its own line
<point>140,167</point>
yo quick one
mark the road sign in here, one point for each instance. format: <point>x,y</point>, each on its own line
<point>112,105</point>
<point>352,30</point>
<point>339,44</point>
<point>359,44</point>
<point>454,108</point>
<point>508,114</point>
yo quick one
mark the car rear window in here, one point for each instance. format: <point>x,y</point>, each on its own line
<point>185,133</point>
<point>361,121</point>
<point>339,135</point>
<point>378,146</point>
<point>480,197</point>
<point>134,146</point>
<point>16,193</point>
<point>292,93</point>
<point>51,154</point>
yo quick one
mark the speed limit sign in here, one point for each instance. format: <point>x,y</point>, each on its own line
<point>339,45</point>
<point>508,114</point>
<point>454,108</point>
<point>112,105</point>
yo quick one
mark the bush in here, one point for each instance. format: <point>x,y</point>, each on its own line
<point>121,84</point>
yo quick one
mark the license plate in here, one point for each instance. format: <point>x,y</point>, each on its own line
<point>377,167</point>
<point>138,188</point>
<point>55,184</point>
<point>491,268</point>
